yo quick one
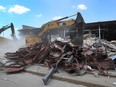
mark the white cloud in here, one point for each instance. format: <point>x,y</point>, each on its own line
<point>81,7</point>
<point>39,15</point>
<point>56,17</point>
<point>2,8</point>
<point>18,9</point>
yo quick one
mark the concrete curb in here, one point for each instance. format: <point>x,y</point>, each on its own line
<point>67,79</point>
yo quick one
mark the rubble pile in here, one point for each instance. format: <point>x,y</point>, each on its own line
<point>76,57</point>
<point>16,61</point>
<point>57,55</point>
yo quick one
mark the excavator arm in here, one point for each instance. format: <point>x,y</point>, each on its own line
<point>75,30</point>
<point>12,30</point>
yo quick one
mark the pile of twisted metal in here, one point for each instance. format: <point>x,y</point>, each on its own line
<point>64,55</point>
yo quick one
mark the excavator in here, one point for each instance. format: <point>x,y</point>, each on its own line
<point>3,39</point>
<point>62,28</point>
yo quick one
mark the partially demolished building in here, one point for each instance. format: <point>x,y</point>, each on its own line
<point>107,29</point>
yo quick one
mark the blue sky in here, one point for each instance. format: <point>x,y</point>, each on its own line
<point>37,12</point>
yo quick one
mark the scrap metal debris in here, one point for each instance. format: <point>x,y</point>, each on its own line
<point>62,55</point>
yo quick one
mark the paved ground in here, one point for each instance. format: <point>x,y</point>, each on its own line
<point>29,80</point>
<point>88,79</point>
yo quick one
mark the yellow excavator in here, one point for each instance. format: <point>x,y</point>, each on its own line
<point>59,28</point>
<point>3,39</point>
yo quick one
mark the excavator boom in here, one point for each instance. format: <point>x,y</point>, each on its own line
<point>65,17</point>
<point>12,30</point>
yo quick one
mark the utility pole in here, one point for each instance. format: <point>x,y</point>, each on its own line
<point>99,32</point>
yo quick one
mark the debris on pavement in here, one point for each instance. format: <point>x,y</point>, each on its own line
<point>74,59</point>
